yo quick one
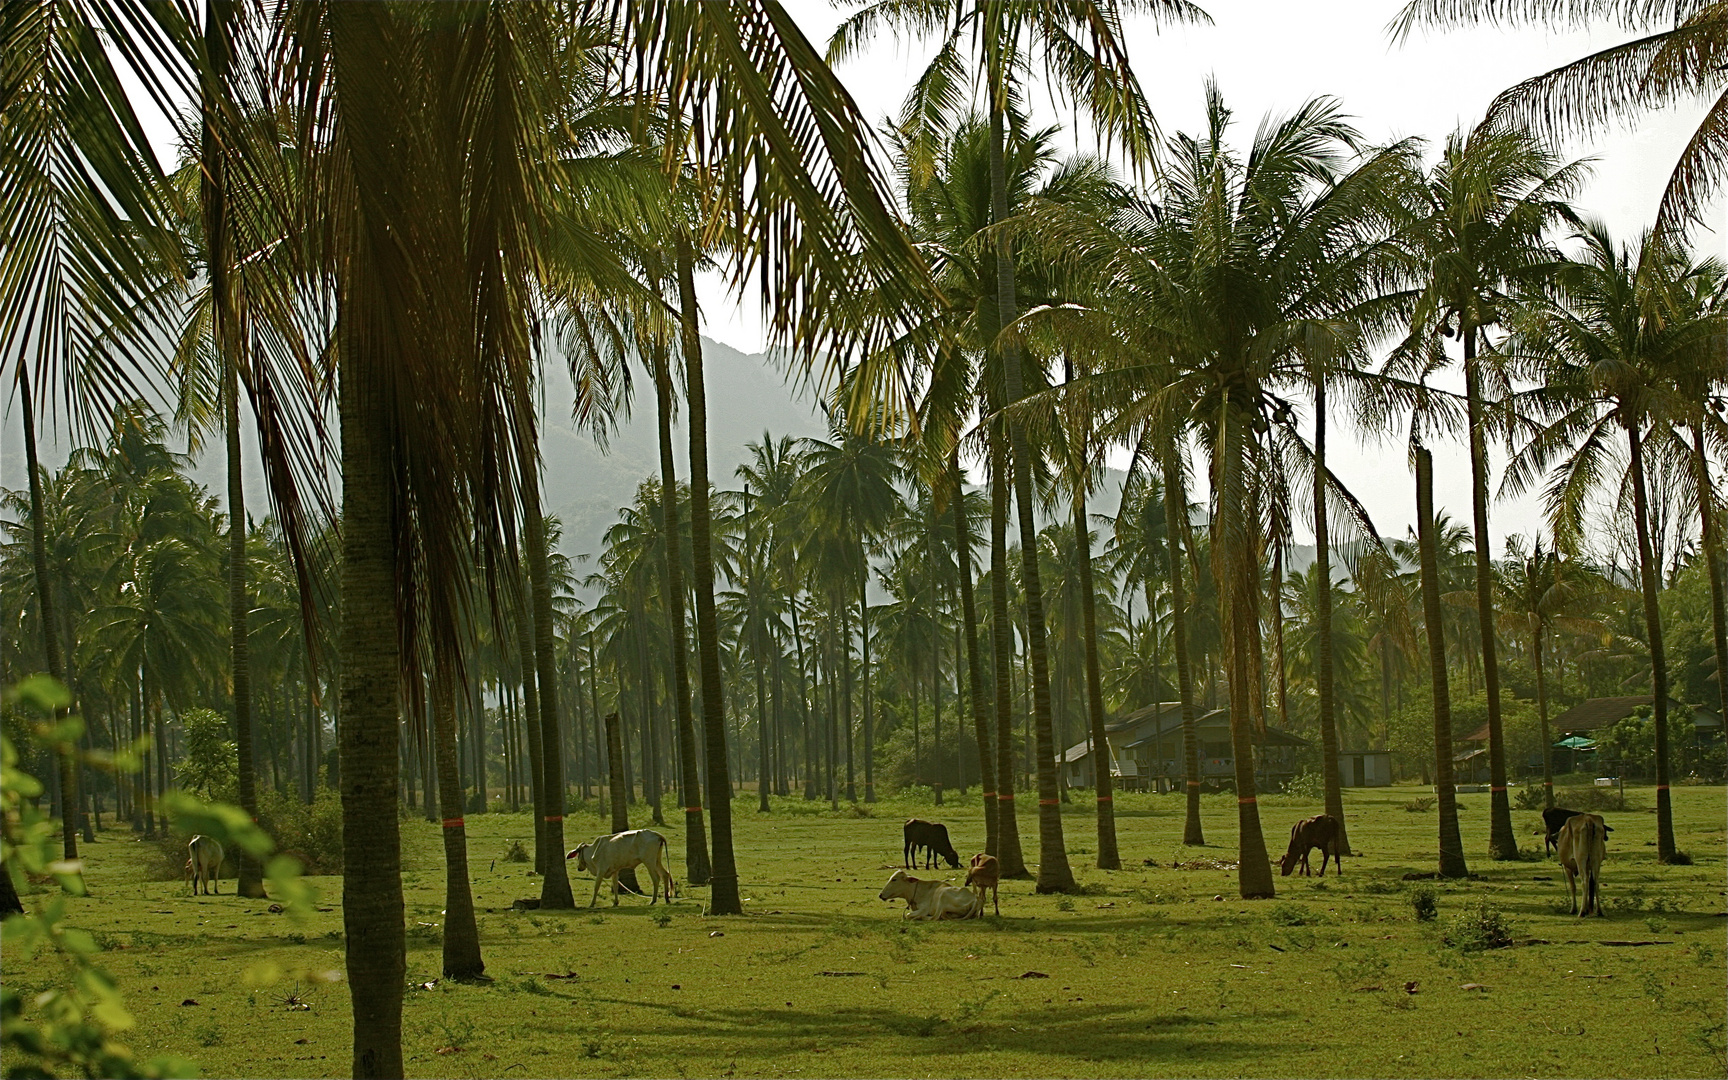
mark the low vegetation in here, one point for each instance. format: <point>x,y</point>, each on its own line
<point>1156,969</point>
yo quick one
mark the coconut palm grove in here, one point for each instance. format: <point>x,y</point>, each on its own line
<point>343,737</point>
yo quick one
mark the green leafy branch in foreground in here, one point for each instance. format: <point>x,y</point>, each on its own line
<point>70,1027</point>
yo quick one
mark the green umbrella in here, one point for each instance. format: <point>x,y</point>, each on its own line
<point>1576,742</point>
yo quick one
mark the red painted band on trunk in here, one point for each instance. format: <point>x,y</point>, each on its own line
<point>1049,802</point>
<point>989,794</point>
<point>1106,798</point>
<point>1661,787</point>
<point>1497,788</point>
<point>554,817</point>
<point>1244,802</point>
<point>1004,798</point>
<point>453,823</point>
<point>692,809</point>
<point>1193,783</point>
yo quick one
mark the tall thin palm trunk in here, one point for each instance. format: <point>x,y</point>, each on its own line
<point>461,935</point>
<point>1647,579</point>
<point>1710,539</point>
<point>1276,595</point>
<point>1010,861</point>
<point>555,879</point>
<point>1502,842</point>
<point>1175,533</point>
<point>974,680</point>
<point>1536,637</point>
<point>1323,665</point>
<point>45,611</point>
<point>696,869</point>
<point>1452,862</point>
<point>530,713</point>
<point>1108,857</point>
<point>723,898</point>
<point>1234,565</point>
<point>1054,873</point>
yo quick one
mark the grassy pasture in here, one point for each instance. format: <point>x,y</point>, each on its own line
<point>1148,973</point>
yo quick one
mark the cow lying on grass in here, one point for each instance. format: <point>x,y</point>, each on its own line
<point>608,856</point>
<point>1320,831</point>
<point>931,899</point>
<point>1582,847</point>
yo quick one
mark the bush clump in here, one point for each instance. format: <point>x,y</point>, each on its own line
<point>515,852</point>
<point>1424,902</point>
<point>1306,786</point>
<point>311,832</point>
<point>1481,927</point>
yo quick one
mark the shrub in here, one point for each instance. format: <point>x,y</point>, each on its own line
<point>1481,927</point>
<point>1594,800</point>
<point>311,832</point>
<point>516,852</point>
<point>1529,798</point>
<point>1424,902</point>
<point>1308,785</point>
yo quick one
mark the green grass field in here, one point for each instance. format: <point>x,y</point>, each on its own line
<point>1157,969</point>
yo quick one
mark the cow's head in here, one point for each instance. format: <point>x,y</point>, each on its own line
<point>899,884</point>
<point>1287,862</point>
<point>953,859</point>
<point>581,857</point>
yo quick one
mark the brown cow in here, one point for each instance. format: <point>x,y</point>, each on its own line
<point>985,873</point>
<point>1583,846</point>
<point>1320,831</point>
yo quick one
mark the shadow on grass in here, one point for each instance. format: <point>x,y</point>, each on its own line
<point>1088,1032</point>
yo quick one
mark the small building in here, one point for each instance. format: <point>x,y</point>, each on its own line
<point>1597,714</point>
<point>1365,768</point>
<point>1146,752</point>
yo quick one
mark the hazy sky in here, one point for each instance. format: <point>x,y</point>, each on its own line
<point>1269,56</point>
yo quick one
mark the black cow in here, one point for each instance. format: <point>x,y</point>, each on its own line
<point>932,838</point>
<point>1552,819</point>
<point>1320,831</point>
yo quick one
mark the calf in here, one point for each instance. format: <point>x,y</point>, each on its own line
<point>1320,831</point>
<point>1552,819</point>
<point>931,899</point>
<point>1582,847</point>
<point>608,856</point>
<point>932,837</point>
<point>986,873</point>
<point>204,864</point>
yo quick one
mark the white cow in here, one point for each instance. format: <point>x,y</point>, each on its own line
<point>931,899</point>
<point>205,861</point>
<point>608,856</point>
<point>1582,847</point>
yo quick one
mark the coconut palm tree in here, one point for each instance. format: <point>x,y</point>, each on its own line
<point>1488,204</point>
<point>1622,321</point>
<point>1679,55</point>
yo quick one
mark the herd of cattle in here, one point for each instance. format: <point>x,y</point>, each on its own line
<point>1580,839</point>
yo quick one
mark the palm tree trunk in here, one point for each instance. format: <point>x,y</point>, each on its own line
<point>1054,873</point>
<point>1277,597</point>
<point>1323,664</point>
<point>1233,561</point>
<point>530,713</point>
<point>45,611</point>
<point>974,680</point>
<point>723,899</point>
<point>1452,863</point>
<point>1711,540</point>
<point>1502,842</point>
<point>696,869</point>
<point>1175,530</point>
<point>864,673</point>
<point>846,701</point>
<point>555,880</point>
<point>461,935</point>
<point>1665,849</point>
<point>1542,715</point>
<point>372,906</point>
<point>810,757</point>
<point>1010,861</point>
<point>1108,857</point>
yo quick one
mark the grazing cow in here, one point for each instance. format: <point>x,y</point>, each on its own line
<point>608,856</point>
<point>931,899</point>
<point>932,838</point>
<point>204,864</point>
<point>986,873</point>
<point>1320,831</point>
<point>1552,819</point>
<point>1582,847</point>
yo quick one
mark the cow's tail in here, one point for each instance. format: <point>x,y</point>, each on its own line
<point>666,865</point>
